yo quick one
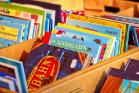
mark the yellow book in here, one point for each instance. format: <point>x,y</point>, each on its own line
<point>105,22</point>
<point>111,38</point>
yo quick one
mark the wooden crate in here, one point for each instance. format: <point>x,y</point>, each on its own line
<point>83,81</point>
<point>97,7</point>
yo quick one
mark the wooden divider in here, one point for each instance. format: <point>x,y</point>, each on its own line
<point>17,51</point>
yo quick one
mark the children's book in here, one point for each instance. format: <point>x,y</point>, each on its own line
<point>50,17</point>
<point>45,5</point>
<point>99,28</point>
<point>92,49</point>
<point>106,22</point>
<point>132,25</point>
<point>64,14</point>
<point>129,86</point>
<point>51,63</point>
<point>16,69</point>
<point>132,66</point>
<point>24,23</point>
<point>122,18</point>
<point>123,74</point>
<point>26,12</point>
<point>7,83</point>
<point>111,85</point>
<point>107,41</point>
<point>10,33</point>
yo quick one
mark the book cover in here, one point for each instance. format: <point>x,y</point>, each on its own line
<point>132,25</point>
<point>132,66</point>
<point>111,85</point>
<point>10,33</point>
<point>129,86</point>
<point>46,63</point>
<point>122,18</point>
<point>7,83</point>
<point>99,28</point>
<point>24,23</point>
<point>92,49</point>
<point>14,68</point>
<point>45,5</point>
<point>106,22</point>
<point>19,10</point>
<point>107,41</point>
<point>123,74</point>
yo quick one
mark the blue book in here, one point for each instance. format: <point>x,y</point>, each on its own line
<point>101,40</point>
<point>123,18</point>
<point>15,20</point>
<point>15,68</point>
<point>129,86</point>
<point>10,33</point>
<point>7,83</point>
<point>132,24</point>
<point>100,28</point>
<point>91,48</point>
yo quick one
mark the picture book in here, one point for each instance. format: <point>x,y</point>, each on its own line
<point>106,22</point>
<point>133,38</point>
<point>92,49</point>
<point>25,23</point>
<point>10,33</point>
<point>51,63</point>
<point>45,5</point>
<point>64,14</point>
<point>14,68</point>
<point>132,66</point>
<point>107,41</point>
<point>98,55</point>
<point>131,26</point>
<point>123,74</point>
<point>122,18</point>
<point>122,80</point>
<point>99,28</point>
<point>7,83</point>
<point>49,17</point>
<point>111,85</point>
<point>129,86</point>
<point>117,85</point>
<point>26,12</point>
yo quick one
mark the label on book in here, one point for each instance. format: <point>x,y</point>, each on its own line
<point>44,72</point>
<point>8,33</point>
